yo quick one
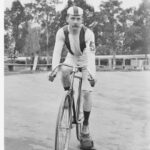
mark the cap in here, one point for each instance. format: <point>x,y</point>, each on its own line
<point>75,11</point>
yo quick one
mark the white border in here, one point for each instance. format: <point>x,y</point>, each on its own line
<point>1,75</point>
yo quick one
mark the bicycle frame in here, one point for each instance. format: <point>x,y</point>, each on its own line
<point>73,110</point>
<point>71,93</point>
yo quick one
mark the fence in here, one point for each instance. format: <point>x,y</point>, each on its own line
<point>103,62</point>
<point>126,62</point>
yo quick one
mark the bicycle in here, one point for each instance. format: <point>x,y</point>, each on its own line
<point>68,112</point>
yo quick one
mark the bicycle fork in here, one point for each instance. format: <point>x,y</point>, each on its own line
<point>76,109</point>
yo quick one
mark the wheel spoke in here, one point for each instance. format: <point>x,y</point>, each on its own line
<point>63,129</point>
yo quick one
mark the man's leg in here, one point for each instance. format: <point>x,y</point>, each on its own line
<point>65,77</point>
<point>86,140</point>
<point>87,99</point>
<point>87,106</point>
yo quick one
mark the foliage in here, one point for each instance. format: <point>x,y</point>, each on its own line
<point>32,38</point>
<point>142,22</point>
<point>117,30</point>
<point>111,29</point>
<point>14,37</point>
<point>43,12</point>
<point>8,30</point>
<point>17,17</point>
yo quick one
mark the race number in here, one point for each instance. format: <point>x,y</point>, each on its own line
<point>92,46</point>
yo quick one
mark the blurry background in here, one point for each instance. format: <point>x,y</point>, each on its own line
<point>121,28</point>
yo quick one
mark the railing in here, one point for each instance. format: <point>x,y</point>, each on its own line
<point>11,66</point>
<point>103,62</point>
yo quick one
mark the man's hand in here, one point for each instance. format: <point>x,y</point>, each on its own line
<point>91,79</point>
<point>92,82</point>
<point>51,77</point>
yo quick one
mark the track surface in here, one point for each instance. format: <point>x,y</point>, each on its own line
<point>120,118</point>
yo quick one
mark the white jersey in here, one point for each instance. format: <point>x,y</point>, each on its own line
<point>85,58</point>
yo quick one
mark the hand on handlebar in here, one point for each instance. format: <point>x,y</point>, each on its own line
<point>52,76</point>
<point>92,81</point>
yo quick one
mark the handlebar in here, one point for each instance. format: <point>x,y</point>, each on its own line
<point>74,69</point>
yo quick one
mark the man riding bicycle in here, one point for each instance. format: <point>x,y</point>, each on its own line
<point>80,43</point>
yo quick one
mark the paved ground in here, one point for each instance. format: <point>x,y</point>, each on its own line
<point>120,119</point>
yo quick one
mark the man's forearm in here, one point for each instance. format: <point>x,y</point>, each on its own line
<point>55,59</point>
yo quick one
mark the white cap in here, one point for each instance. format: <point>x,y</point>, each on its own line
<point>75,11</point>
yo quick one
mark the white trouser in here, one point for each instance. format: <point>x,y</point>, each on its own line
<point>76,61</point>
<point>86,87</point>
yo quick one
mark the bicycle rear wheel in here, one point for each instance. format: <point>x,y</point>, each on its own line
<point>63,125</point>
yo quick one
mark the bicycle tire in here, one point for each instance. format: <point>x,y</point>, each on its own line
<point>62,141</point>
<point>79,124</point>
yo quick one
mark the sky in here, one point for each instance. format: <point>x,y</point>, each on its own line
<point>95,3</point>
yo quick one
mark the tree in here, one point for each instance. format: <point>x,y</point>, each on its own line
<point>23,32</point>
<point>43,11</point>
<point>8,30</point>
<point>33,37</point>
<point>110,26</point>
<point>126,20</point>
<point>143,22</point>
<point>137,36</point>
<point>14,33</point>
<point>17,17</point>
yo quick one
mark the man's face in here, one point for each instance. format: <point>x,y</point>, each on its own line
<point>74,21</point>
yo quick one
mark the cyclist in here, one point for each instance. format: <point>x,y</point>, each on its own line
<point>80,43</point>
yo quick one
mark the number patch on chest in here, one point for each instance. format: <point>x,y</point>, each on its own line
<point>92,46</point>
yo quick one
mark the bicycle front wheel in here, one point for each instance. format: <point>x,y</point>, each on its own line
<point>63,125</point>
<point>79,120</point>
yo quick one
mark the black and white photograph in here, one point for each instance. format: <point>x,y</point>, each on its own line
<point>76,74</point>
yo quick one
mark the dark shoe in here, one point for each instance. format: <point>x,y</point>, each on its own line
<point>86,141</point>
